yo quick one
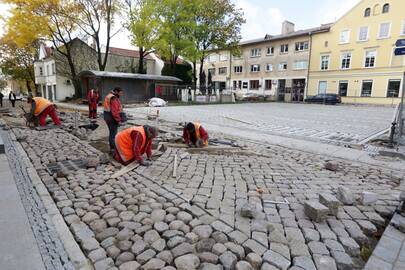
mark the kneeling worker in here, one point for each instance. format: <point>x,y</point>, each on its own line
<point>195,135</point>
<point>132,143</point>
<point>41,108</point>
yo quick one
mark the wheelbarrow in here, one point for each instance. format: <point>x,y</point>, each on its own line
<point>30,120</point>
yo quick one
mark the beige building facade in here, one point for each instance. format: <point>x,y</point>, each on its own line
<point>274,66</point>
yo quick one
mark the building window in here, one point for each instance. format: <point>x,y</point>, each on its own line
<point>322,86</point>
<point>386,8</point>
<point>245,85</point>
<point>47,70</point>
<point>403,28</point>
<point>254,68</point>
<point>254,84</point>
<point>222,70</point>
<point>325,62</point>
<point>376,9</point>
<point>326,44</point>
<point>212,71</point>
<point>393,88</point>
<point>301,46</point>
<point>282,66</point>
<point>367,12</point>
<point>270,50</point>
<point>370,59</point>
<point>53,69</point>
<point>346,60</point>
<point>255,52</point>
<point>343,86</point>
<point>41,71</point>
<point>344,36</point>
<point>267,84</point>
<point>269,67</point>
<point>284,48</point>
<point>366,88</point>
<point>384,31</point>
<point>212,58</point>
<point>237,69</point>
<point>363,33</point>
<point>223,57</point>
<point>300,65</point>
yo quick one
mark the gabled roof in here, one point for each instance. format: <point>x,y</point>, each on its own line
<point>127,53</point>
<point>134,76</point>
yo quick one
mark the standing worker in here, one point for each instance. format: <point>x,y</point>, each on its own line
<point>12,98</point>
<point>133,142</point>
<point>112,114</point>
<point>41,108</point>
<point>1,99</point>
<point>195,135</point>
<point>93,97</point>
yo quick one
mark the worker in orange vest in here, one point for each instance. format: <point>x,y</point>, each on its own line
<point>133,142</point>
<point>195,135</point>
<point>41,108</point>
<point>112,114</point>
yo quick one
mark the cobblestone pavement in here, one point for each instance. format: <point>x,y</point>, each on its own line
<point>332,124</point>
<point>50,246</point>
<point>151,220</point>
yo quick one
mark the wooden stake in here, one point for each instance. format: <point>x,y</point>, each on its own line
<point>126,169</point>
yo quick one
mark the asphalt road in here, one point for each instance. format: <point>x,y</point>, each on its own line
<point>342,124</point>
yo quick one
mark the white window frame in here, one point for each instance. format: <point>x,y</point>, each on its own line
<point>222,73</point>
<point>379,30</point>
<point>267,67</point>
<point>372,87</point>
<point>283,46</point>
<point>301,66</point>
<point>303,43</point>
<point>256,52</point>
<point>403,28</point>
<point>237,69</point>
<point>341,60</point>
<point>223,57</point>
<point>367,36</point>
<point>365,58</point>
<point>319,88</point>
<point>255,68</point>
<point>267,51</point>
<point>348,36</point>
<point>281,64</point>
<point>321,66</point>
<point>212,58</point>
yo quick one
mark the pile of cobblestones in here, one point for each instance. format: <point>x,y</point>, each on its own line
<point>148,219</point>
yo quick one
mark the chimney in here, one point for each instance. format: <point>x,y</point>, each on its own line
<point>287,28</point>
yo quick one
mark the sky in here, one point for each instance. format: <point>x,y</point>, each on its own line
<point>265,16</point>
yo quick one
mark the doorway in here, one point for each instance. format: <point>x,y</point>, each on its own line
<point>323,85</point>
<point>281,90</point>
<point>298,89</point>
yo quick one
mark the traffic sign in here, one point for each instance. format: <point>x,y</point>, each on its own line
<point>400,51</point>
<point>400,43</point>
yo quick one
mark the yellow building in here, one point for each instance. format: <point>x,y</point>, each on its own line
<point>356,57</point>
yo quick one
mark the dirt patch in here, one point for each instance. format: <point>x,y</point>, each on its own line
<point>101,145</point>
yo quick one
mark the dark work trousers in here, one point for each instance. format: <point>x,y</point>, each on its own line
<point>112,127</point>
<point>12,102</point>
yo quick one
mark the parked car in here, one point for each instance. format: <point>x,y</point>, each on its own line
<point>249,96</point>
<point>324,99</point>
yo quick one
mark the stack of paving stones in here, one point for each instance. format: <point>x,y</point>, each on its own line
<point>143,219</point>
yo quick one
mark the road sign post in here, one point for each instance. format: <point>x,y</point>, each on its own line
<point>401,109</point>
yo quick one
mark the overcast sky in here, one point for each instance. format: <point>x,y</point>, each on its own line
<point>265,16</point>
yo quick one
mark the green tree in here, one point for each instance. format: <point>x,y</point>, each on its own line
<point>143,26</point>
<point>18,63</point>
<point>217,25</point>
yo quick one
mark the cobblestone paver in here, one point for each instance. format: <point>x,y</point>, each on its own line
<point>148,219</point>
<point>331,124</point>
<point>50,246</point>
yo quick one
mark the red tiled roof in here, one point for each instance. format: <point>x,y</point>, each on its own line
<point>127,53</point>
<point>48,51</point>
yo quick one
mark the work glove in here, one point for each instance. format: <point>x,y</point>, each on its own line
<point>146,163</point>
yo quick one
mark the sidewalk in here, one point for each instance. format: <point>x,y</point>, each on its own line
<point>18,245</point>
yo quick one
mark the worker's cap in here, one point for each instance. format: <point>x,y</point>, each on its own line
<point>152,131</point>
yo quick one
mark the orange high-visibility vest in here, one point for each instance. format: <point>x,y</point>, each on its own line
<point>40,105</point>
<point>124,143</point>
<point>107,102</point>
<point>197,132</point>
